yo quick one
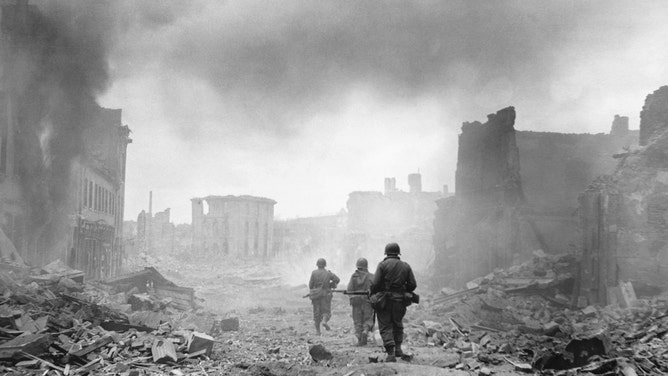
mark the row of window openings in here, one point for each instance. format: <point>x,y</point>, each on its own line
<point>96,197</point>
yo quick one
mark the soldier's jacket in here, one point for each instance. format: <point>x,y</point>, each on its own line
<point>319,276</point>
<point>360,281</point>
<point>393,276</point>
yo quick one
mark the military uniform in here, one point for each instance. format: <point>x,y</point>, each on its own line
<point>322,306</point>
<point>395,278</point>
<point>362,311</point>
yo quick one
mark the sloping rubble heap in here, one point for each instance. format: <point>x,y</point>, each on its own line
<point>523,317</point>
<point>51,323</point>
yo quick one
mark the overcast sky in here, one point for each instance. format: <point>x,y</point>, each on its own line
<point>306,101</point>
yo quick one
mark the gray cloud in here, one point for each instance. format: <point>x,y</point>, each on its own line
<point>287,62</point>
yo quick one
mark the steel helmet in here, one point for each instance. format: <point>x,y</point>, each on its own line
<point>321,263</point>
<point>392,249</point>
<point>362,263</point>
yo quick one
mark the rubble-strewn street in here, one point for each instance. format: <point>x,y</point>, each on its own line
<point>333,187</point>
<point>509,322</point>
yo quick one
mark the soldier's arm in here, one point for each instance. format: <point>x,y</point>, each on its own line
<point>311,282</point>
<point>411,283</point>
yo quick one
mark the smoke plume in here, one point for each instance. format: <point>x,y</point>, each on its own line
<point>54,67</point>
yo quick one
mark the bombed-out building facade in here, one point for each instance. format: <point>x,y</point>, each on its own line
<point>233,226</point>
<point>375,218</point>
<point>597,197</point>
<point>62,156</point>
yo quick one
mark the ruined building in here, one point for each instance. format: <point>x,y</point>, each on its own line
<point>233,226</point>
<point>62,157</point>
<point>156,234</point>
<point>516,192</point>
<point>310,237</point>
<point>376,218</point>
<point>624,216</point>
<point>96,243</point>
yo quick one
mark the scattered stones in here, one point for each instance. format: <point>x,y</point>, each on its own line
<point>319,353</point>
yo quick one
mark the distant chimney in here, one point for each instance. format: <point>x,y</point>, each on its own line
<point>415,183</point>
<point>446,190</point>
<point>390,185</point>
<point>620,126</point>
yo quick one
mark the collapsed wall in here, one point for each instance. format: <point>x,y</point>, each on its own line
<point>480,228</point>
<point>624,217</point>
<point>501,213</point>
<point>556,168</point>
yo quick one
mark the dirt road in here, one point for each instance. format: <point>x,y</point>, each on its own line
<point>276,329</point>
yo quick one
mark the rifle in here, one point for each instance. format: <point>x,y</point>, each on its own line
<point>346,292</point>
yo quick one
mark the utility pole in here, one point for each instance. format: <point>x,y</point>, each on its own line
<point>149,224</point>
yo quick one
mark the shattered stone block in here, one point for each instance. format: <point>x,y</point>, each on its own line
<point>432,327</point>
<point>163,351</point>
<point>228,325</point>
<point>33,344</point>
<point>626,294</point>
<point>589,311</point>
<point>551,328</point>
<point>200,341</point>
<point>319,352</point>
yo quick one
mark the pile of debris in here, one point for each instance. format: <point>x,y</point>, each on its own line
<point>52,322</point>
<point>526,317</point>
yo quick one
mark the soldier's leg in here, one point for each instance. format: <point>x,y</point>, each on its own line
<point>326,311</point>
<point>398,313</point>
<point>317,315</point>
<point>367,314</point>
<point>357,319</point>
<point>386,333</point>
<point>357,322</point>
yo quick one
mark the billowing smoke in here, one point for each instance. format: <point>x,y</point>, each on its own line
<point>54,66</point>
<point>278,63</point>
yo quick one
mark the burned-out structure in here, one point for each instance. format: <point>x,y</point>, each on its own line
<point>62,156</point>
<point>310,236</point>
<point>375,218</point>
<point>156,234</point>
<point>96,243</point>
<point>624,216</point>
<point>517,192</point>
<point>233,225</point>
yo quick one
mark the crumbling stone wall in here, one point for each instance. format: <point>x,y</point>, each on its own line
<point>634,244</point>
<point>556,168</point>
<point>517,192</point>
<point>654,115</point>
<point>480,228</point>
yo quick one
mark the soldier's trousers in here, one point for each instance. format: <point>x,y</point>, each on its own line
<point>390,322</point>
<point>362,317</point>
<point>322,307</point>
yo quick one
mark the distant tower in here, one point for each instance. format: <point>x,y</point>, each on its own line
<point>390,185</point>
<point>415,182</point>
<point>620,126</point>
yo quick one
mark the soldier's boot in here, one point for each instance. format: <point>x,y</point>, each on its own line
<point>363,338</point>
<point>325,318</point>
<point>397,349</point>
<point>391,358</point>
<point>317,328</point>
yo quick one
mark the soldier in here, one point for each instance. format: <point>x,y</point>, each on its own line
<point>320,285</point>
<point>395,278</point>
<point>362,312</point>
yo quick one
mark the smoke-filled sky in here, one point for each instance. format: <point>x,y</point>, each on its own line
<point>306,101</point>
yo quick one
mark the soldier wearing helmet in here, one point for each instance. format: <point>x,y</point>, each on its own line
<point>321,283</point>
<point>394,278</point>
<point>363,318</point>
